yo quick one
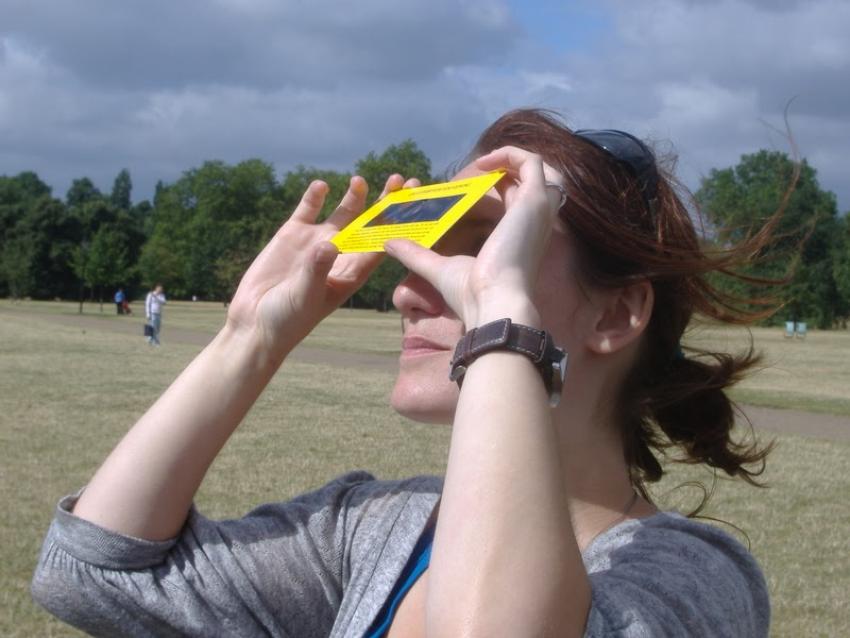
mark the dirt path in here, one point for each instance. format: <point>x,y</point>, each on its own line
<point>809,424</point>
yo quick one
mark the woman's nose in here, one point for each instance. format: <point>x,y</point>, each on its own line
<point>414,295</point>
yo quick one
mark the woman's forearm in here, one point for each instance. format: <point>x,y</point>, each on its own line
<point>146,485</point>
<point>505,560</point>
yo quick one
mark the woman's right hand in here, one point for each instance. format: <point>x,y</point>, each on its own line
<point>299,278</point>
<point>500,280</point>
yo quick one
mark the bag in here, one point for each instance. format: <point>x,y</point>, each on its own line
<point>148,330</point>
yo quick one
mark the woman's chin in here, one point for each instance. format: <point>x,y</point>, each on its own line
<point>425,403</point>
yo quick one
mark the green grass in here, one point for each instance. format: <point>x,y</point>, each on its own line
<point>67,396</point>
<point>811,374</point>
<point>376,333</point>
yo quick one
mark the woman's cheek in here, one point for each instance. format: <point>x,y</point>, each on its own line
<point>426,398</point>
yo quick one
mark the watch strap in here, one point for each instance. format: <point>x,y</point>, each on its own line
<point>503,334</point>
<point>500,335</point>
<point>549,359</point>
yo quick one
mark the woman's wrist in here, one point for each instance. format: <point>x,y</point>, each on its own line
<point>518,309</point>
<point>248,350</point>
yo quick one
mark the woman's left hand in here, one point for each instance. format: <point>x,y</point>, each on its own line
<point>503,275</point>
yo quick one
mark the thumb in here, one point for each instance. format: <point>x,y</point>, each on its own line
<point>310,281</point>
<point>319,262</point>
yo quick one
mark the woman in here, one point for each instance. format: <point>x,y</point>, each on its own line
<point>542,525</point>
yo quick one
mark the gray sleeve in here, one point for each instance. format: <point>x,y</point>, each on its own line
<point>675,577</point>
<point>278,571</point>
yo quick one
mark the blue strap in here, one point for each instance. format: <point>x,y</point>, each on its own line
<point>417,564</point>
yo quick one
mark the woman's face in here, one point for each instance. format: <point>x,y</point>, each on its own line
<point>423,391</point>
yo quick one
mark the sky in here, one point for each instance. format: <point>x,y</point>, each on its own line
<point>160,86</point>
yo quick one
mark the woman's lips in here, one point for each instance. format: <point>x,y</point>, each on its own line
<point>415,346</point>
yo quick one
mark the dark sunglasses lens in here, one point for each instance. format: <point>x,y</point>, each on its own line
<point>630,151</point>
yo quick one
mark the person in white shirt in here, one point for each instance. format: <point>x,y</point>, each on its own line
<point>153,312</point>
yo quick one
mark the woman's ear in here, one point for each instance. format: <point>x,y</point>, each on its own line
<point>623,314</point>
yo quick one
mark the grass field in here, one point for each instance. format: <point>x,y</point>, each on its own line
<point>811,374</point>
<point>68,394</point>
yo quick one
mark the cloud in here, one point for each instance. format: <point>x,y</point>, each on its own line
<point>715,77</point>
<point>159,87</point>
<point>166,44</point>
<point>87,88</point>
<point>726,70</point>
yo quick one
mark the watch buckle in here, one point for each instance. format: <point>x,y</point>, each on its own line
<point>457,372</point>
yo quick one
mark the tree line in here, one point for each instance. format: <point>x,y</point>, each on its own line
<point>198,234</point>
<point>811,247</point>
<point>196,237</point>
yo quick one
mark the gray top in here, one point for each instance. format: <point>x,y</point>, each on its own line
<point>324,563</point>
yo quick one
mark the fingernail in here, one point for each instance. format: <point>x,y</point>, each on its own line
<point>358,183</point>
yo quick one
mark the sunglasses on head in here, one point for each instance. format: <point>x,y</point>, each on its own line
<point>630,152</point>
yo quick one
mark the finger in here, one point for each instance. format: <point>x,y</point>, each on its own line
<point>354,269</point>
<point>394,182</point>
<point>528,165</point>
<point>425,263</point>
<point>511,157</point>
<point>506,187</point>
<point>311,202</point>
<point>531,170</point>
<point>413,182</point>
<point>352,204</point>
<point>314,271</point>
<point>522,234</point>
<point>321,260</point>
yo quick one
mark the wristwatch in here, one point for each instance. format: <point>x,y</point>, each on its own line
<point>502,334</point>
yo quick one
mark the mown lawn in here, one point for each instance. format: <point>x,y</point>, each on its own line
<point>67,395</point>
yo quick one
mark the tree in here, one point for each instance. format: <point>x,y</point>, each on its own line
<point>209,224</point>
<point>103,262</point>
<point>738,201</point>
<point>82,191</point>
<point>50,235</point>
<point>841,265</point>
<point>34,238</point>
<point>405,158</point>
<point>160,261</point>
<point>198,235</point>
<point>142,215</point>
<point>80,267</point>
<point>296,182</point>
<point>15,267</point>
<point>93,214</point>
<point>23,188</point>
<point>122,189</point>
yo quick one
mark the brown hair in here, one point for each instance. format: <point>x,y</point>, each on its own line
<point>668,399</point>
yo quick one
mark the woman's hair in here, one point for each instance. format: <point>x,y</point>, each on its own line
<point>668,399</point>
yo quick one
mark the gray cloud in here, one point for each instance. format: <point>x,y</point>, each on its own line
<point>87,88</point>
<point>715,78</point>
<point>162,86</point>
<point>165,44</point>
<point>765,5</point>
